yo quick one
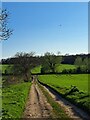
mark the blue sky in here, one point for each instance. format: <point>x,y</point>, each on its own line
<point>36,27</point>
<point>45,0</point>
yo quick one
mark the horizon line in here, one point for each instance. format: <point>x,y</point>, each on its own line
<point>67,54</point>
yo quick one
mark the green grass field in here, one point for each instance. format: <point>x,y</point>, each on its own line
<point>36,70</point>
<point>61,67</point>
<point>8,68</point>
<point>5,67</point>
<point>79,80</point>
<point>14,99</point>
<point>64,84</point>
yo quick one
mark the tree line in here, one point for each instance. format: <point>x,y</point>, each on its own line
<point>22,63</point>
<point>66,59</point>
<point>51,61</point>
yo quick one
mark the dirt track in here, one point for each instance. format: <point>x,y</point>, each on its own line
<point>38,107</point>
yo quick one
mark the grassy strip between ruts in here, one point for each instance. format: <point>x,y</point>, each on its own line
<point>58,112</point>
<point>13,100</point>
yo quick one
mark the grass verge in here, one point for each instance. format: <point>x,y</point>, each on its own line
<point>13,100</point>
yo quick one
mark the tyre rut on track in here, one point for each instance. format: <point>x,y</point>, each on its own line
<point>37,106</point>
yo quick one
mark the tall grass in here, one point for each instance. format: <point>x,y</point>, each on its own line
<point>13,100</point>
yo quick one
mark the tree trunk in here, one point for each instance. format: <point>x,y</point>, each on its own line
<point>26,78</point>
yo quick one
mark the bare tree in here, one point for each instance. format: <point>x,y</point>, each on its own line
<point>5,32</point>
